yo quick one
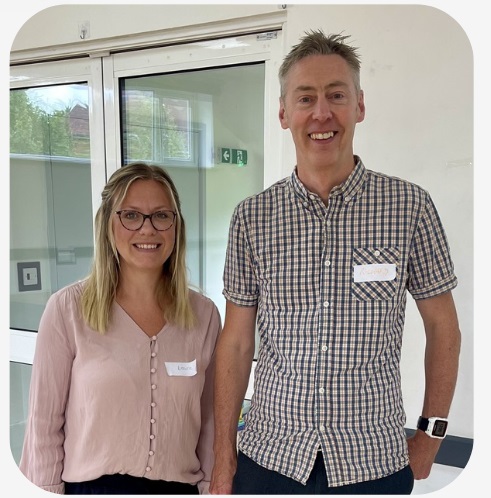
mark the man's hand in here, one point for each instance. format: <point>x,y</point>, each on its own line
<point>422,453</point>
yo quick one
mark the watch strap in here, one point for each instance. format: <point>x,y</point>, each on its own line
<point>434,426</point>
<point>423,423</point>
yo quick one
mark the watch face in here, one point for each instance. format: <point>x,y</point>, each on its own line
<point>440,428</point>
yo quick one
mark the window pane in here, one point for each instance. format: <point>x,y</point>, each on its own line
<point>51,236</point>
<point>183,122</point>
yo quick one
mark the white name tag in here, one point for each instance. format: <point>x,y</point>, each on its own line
<point>374,273</point>
<point>181,369</point>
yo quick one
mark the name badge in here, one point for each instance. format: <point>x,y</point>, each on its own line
<point>180,368</point>
<point>374,273</point>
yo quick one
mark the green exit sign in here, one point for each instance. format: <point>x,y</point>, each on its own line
<point>233,156</point>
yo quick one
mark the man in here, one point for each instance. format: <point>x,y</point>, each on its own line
<point>323,260</point>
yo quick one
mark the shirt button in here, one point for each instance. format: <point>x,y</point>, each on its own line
<point>325,304</point>
<point>347,199</point>
<point>324,348</point>
<point>152,421</point>
<point>322,428</point>
<point>312,196</point>
<point>377,253</point>
<point>153,355</point>
<point>153,404</point>
<point>322,390</point>
<point>305,204</point>
<point>328,223</point>
<point>151,453</point>
<point>327,263</point>
<point>154,338</point>
<point>148,469</point>
<point>152,370</point>
<point>152,436</point>
<point>154,386</point>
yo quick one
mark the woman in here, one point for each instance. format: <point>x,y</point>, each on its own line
<point>121,388</point>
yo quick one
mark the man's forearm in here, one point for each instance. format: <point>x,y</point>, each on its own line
<point>232,378</point>
<point>235,351</point>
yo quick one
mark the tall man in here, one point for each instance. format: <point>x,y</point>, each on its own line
<point>322,261</point>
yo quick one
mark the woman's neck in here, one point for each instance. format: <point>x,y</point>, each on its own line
<point>138,285</point>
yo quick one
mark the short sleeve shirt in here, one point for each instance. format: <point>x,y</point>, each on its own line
<point>330,283</point>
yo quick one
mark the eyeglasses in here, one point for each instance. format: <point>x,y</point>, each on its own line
<point>133,220</point>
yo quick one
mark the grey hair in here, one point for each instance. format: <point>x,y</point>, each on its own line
<point>317,43</point>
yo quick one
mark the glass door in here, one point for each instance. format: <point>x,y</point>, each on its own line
<point>56,175</point>
<point>181,122</point>
<point>51,230</point>
<point>197,110</point>
<point>54,153</point>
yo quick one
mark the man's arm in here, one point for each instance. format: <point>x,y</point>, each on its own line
<point>234,355</point>
<point>441,366</point>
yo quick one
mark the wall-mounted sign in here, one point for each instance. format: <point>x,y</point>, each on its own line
<point>233,156</point>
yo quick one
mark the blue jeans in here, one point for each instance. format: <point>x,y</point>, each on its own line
<point>253,479</point>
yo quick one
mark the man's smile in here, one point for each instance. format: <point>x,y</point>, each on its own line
<point>321,136</point>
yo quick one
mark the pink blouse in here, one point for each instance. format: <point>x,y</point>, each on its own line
<point>121,402</point>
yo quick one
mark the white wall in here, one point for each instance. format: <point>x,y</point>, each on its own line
<point>417,74</point>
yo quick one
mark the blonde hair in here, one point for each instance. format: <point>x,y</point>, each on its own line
<point>101,284</point>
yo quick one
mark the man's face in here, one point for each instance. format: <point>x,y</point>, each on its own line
<point>321,107</point>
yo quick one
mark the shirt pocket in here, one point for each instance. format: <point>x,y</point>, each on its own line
<point>376,288</point>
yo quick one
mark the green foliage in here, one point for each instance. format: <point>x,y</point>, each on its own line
<point>27,124</point>
<point>150,129</point>
<point>34,131</point>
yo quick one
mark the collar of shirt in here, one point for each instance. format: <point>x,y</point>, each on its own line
<point>348,189</point>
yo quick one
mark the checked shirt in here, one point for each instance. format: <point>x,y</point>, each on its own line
<point>330,283</point>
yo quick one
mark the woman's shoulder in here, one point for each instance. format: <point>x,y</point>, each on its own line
<point>62,311</point>
<point>200,300</point>
<point>203,305</point>
<point>207,313</point>
<point>70,293</point>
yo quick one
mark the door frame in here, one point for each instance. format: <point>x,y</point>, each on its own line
<point>102,72</point>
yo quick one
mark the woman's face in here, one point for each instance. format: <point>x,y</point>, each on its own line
<point>147,248</point>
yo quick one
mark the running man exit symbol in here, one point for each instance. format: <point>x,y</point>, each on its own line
<point>239,157</point>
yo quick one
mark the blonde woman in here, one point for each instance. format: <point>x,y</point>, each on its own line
<point>122,381</point>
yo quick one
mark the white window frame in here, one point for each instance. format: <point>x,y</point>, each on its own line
<point>234,50</point>
<point>89,70</point>
<point>102,71</point>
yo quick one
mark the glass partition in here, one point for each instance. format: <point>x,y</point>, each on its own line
<point>51,235</point>
<point>206,128</point>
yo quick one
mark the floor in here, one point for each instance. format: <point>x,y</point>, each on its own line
<point>441,476</point>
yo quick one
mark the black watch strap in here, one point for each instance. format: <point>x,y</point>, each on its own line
<point>434,426</point>
<point>423,423</point>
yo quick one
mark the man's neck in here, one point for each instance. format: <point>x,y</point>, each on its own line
<point>321,181</point>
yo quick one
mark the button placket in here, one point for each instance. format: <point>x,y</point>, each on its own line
<point>153,402</point>
<point>326,307</point>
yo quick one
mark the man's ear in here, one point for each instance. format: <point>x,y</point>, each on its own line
<point>361,107</point>
<point>282,114</point>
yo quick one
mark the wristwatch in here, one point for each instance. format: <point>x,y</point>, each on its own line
<point>434,426</point>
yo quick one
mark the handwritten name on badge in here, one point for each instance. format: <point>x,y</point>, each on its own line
<point>374,273</point>
<point>181,369</point>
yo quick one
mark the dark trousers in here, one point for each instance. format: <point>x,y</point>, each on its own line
<point>253,479</point>
<point>123,484</point>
